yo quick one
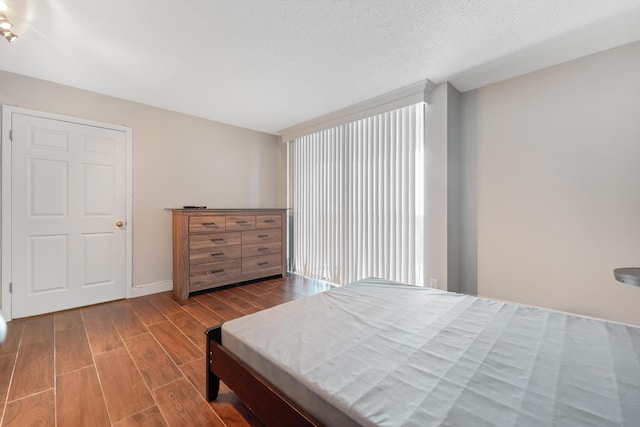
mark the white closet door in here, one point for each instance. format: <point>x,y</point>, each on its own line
<point>68,187</point>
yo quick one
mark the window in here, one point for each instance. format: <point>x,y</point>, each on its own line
<point>357,198</point>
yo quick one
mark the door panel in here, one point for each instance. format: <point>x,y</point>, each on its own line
<point>48,263</point>
<point>98,188</point>
<point>47,187</point>
<point>48,139</point>
<point>97,256</point>
<point>68,190</point>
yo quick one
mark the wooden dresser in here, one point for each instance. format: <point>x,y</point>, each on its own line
<point>217,247</point>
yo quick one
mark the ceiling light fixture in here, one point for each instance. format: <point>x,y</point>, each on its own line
<point>8,35</point>
<point>5,24</point>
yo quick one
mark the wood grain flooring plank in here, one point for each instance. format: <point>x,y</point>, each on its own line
<point>94,311</point>
<point>288,294</point>
<point>195,373</point>
<point>232,298</point>
<point>203,314</point>
<point>126,321</point>
<point>271,284</point>
<point>254,299</point>
<point>146,311</point>
<point>124,389</point>
<point>68,319</point>
<point>14,335</point>
<point>297,291</point>
<point>37,329</point>
<point>276,299</point>
<point>35,410</point>
<point>154,364</point>
<point>117,305</point>
<point>7,362</point>
<point>103,335</point>
<point>79,399</point>
<point>219,307</point>
<point>34,370</point>
<point>181,405</point>
<point>256,289</point>
<point>148,418</point>
<point>191,327</point>
<point>252,310</point>
<point>164,303</point>
<point>175,343</point>
<point>72,350</point>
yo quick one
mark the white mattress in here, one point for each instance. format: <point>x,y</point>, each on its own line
<point>385,354</point>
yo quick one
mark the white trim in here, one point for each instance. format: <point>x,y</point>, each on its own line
<point>7,111</point>
<point>399,98</point>
<point>5,304</point>
<point>128,275</point>
<point>151,288</point>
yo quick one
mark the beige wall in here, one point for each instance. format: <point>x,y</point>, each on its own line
<point>557,182</point>
<point>177,160</point>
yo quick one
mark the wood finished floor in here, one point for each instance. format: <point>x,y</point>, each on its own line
<point>135,362</point>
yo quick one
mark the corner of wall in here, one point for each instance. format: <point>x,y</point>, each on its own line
<point>443,188</point>
<point>468,197</point>
<point>450,256</point>
<point>454,189</point>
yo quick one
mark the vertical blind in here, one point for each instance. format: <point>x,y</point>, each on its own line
<point>357,198</point>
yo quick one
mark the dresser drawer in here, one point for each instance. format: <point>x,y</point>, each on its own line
<point>241,223</point>
<point>204,275</point>
<point>262,236</point>
<point>206,223</point>
<point>268,221</point>
<point>221,253</point>
<point>257,249</point>
<point>213,240</point>
<point>262,266</point>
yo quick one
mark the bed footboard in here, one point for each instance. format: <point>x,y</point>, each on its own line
<point>265,401</point>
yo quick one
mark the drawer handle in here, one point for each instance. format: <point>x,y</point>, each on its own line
<point>269,220</point>
<point>219,239</point>
<point>217,271</point>
<point>263,263</point>
<point>210,224</point>
<point>218,254</point>
<point>262,236</point>
<point>263,249</point>
<point>242,222</point>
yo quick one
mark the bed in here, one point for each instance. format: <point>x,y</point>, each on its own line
<point>381,353</point>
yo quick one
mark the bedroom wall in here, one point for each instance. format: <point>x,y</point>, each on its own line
<point>177,160</point>
<point>553,162</point>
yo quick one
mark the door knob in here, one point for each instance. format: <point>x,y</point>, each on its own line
<point>119,223</point>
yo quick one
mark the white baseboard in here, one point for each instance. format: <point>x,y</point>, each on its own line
<point>151,288</point>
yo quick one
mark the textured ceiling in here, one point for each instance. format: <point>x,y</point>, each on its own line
<point>271,64</point>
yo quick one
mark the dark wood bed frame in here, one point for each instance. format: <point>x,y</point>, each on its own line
<point>268,403</point>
